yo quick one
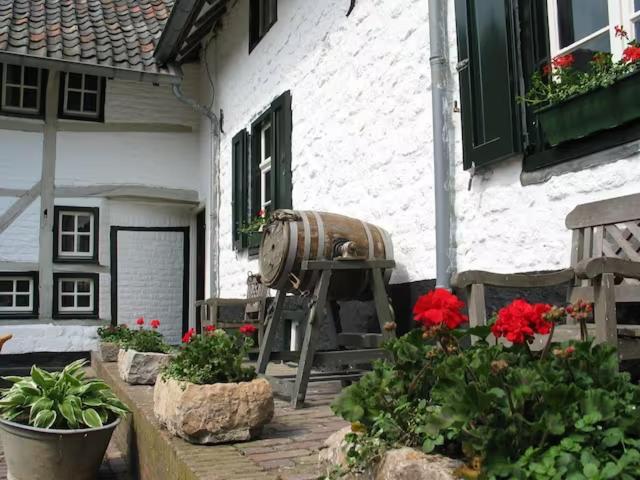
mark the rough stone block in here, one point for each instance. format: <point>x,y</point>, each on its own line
<point>109,351</point>
<point>138,368</point>
<point>208,414</point>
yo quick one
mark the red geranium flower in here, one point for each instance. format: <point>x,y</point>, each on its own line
<point>140,321</point>
<point>155,323</point>
<point>261,213</point>
<point>210,328</point>
<point>439,307</point>
<point>519,321</point>
<point>563,61</point>
<point>631,54</point>
<point>620,31</point>
<point>546,70</point>
<point>248,330</point>
<point>186,338</point>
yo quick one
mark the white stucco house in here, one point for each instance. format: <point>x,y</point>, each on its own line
<point>121,195</point>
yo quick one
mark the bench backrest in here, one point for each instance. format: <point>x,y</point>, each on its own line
<point>608,228</point>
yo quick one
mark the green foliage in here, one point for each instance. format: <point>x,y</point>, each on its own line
<point>569,415</point>
<point>215,357</point>
<point>146,341</point>
<point>114,334</point>
<point>60,400</point>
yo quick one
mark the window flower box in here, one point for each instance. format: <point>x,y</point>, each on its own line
<point>592,112</point>
<point>254,239</point>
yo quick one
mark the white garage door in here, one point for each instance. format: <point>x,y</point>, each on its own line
<point>149,279</point>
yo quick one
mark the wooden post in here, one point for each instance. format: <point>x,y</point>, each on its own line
<point>273,321</point>
<point>47,197</point>
<point>605,310</point>
<point>381,300</point>
<point>316,314</point>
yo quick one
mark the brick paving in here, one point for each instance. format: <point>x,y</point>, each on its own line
<point>114,466</point>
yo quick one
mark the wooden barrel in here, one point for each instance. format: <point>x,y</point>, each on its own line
<point>293,236</point>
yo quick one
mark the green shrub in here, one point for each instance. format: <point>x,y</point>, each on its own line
<point>508,412</point>
<point>146,341</point>
<point>215,357</point>
<point>114,334</point>
<point>61,400</point>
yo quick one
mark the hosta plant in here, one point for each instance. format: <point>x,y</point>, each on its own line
<point>213,357</point>
<point>146,340</point>
<point>60,400</point>
<point>565,412</point>
<point>114,333</point>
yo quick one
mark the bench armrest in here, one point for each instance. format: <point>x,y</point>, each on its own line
<point>515,280</point>
<point>593,267</point>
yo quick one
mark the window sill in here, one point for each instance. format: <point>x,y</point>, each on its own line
<point>18,316</point>
<point>83,260</point>
<point>75,321</point>
<point>75,316</point>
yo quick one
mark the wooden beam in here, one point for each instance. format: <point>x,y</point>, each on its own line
<point>12,192</point>
<point>176,195</point>
<point>71,126</point>
<point>80,267</point>
<point>19,206</point>
<point>18,266</point>
<point>47,196</point>
<point>21,125</point>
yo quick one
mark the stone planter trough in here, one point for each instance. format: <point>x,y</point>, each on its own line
<point>217,413</point>
<point>140,368</point>
<point>109,351</point>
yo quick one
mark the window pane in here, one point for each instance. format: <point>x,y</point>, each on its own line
<point>74,80</point>
<point>31,76</point>
<point>84,286</point>
<point>74,101</point>
<point>23,286</point>
<point>14,74</point>
<point>84,300</point>
<point>636,28</point>
<point>67,286</point>
<point>84,223</point>
<point>636,5</point>
<point>30,98</point>
<point>90,102</point>
<point>6,301</point>
<point>267,186</point>
<point>66,301</point>
<point>68,244</point>
<point>22,300</point>
<point>267,142</point>
<point>12,97</point>
<point>91,83</point>
<point>6,285</point>
<point>83,243</point>
<point>68,223</point>
<point>579,18</point>
<point>585,52</point>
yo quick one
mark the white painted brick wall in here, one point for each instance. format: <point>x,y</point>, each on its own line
<point>19,242</point>
<point>49,338</point>
<point>150,269</point>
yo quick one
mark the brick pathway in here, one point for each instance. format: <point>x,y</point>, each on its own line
<point>113,468</point>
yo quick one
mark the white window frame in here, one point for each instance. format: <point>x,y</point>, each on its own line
<point>265,164</point>
<point>14,308</point>
<point>82,90</point>
<point>22,87</point>
<point>75,294</point>
<point>76,234</point>
<point>620,13</point>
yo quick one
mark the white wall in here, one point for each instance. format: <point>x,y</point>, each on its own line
<point>361,137</point>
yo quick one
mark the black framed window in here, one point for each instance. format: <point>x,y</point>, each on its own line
<point>18,295</point>
<point>22,90</point>
<point>82,97</point>
<point>75,234</point>
<point>262,15</point>
<point>261,162</point>
<point>500,45</point>
<point>75,295</point>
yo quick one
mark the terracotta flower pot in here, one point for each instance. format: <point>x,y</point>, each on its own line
<point>141,368</point>
<point>217,413</point>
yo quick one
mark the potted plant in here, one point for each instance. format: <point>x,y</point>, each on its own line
<point>205,395</point>
<point>111,338</point>
<point>143,355</point>
<point>572,104</point>
<point>253,229</point>
<point>57,425</point>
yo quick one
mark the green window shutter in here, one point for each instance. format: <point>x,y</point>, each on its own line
<point>240,191</point>
<point>281,184</point>
<point>488,68</point>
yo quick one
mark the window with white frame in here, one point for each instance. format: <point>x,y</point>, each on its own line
<point>21,89</point>
<point>17,294</point>
<point>266,148</point>
<point>82,96</point>
<point>584,27</point>
<point>75,295</point>
<point>76,234</point>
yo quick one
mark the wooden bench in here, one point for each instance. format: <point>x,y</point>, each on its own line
<point>605,270</point>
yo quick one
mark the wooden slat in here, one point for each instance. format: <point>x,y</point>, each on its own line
<point>515,280</point>
<point>598,266</point>
<point>604,311</point>
<point>598,240</point>
<point>577,241</point>
<point>605,212</point>
<point>626,247</point>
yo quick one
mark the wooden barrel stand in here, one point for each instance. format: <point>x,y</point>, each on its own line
<point>355,269</point>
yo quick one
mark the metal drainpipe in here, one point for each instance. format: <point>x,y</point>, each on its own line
<point>441,186</point>
<point>215,181</point>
